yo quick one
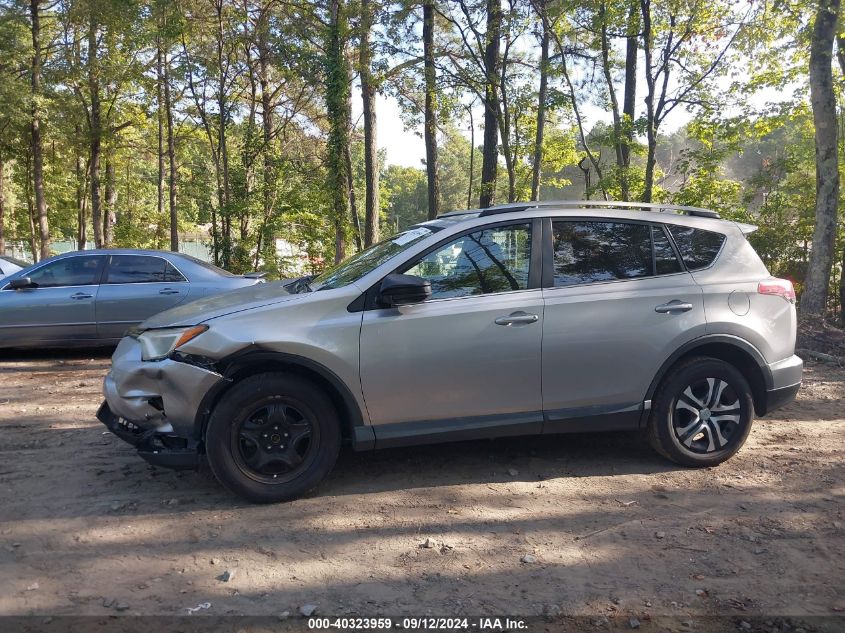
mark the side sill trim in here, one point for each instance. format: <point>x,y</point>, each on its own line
<point>454,430</point>
<point>618,417</point>
<point>578,420</point>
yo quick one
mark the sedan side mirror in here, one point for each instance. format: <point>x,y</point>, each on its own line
<point>20,283</point>
<point>400,290</point>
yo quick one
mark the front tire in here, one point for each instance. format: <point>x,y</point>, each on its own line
<point>272,437</point>
<point>702,413</point>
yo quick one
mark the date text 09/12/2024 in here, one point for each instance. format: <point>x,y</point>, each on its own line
<point>419,623</point>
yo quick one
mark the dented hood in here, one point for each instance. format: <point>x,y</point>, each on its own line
<point>201,310</point>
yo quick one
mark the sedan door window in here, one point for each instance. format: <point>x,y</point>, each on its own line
<point>488,261</point>
<point>137,269</point>
<point>70,271</point>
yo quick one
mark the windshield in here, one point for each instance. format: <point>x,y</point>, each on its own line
<point>368,260</point>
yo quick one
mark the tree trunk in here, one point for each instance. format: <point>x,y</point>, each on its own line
<point>611,91</point>
<point>2,209</point>
<point>823,100</point>
<point>37,150</point>
<point>353,205</point>
<point>222,149</point>
<point>430,129</point>
<point>368,95</point>
<point>629,103</point>
<point>490,153</point>
<point>96,132</point>
<point>542,95</point>
<point>81,190</point>
<point>110,215</point>
<point>337,107</point>
<point>160,122</point>
<point>651,125</point>
<point>30,211</point>
<point>585,169</point>
<point>171,157</point>
<point>471,157</point>
<point>268,180</point>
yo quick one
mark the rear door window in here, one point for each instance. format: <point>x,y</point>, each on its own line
<point>665,260</point>
<point>139,269</point>
<point>698,247</point>
<point>587,251</point>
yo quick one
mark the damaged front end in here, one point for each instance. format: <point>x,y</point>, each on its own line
<point>153,405</point>
<point>159,446</point>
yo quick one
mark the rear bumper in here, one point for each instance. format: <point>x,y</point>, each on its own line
<point>783,386</point>
<point>157,446</point>
<point>785,373</point>
<point>777,398</point>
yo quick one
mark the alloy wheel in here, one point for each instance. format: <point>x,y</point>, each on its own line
<point>706,414</point>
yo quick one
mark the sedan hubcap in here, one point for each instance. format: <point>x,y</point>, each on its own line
<point>275,441</point>
<point>706,415</point>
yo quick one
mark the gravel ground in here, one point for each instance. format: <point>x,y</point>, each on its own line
<point>580,525</point>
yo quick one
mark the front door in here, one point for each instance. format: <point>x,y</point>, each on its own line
<point>59,306</point>
<point>619,304</point>
<point>468,359</point>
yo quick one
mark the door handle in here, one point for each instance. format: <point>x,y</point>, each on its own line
<point>517,318</point>
<point>81,295</point>
<point>673,306</point>
<point>168,291</point>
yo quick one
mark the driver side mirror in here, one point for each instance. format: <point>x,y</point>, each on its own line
<point>20,283</point>
<point>401,290</point>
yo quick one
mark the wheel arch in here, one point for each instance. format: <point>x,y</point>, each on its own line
<point>254,361</point>
<point>731,349</point>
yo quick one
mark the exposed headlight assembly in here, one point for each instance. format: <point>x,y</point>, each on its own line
<point>158,344</point>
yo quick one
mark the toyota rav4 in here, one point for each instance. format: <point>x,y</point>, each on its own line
<point>527,318</point>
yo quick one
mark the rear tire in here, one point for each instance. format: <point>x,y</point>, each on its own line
<point>272,437</point>
<point>702,413</point>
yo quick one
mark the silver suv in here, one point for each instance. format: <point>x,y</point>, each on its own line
<point>518,319</point>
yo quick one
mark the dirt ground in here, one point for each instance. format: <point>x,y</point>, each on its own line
<point>593,525</point>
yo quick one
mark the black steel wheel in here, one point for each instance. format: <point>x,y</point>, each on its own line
<point>272,437</point>
<point>276,441</point>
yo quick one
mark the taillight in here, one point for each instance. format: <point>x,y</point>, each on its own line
<point>779,287</point>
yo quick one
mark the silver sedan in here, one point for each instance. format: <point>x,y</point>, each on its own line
<point>90,298</point>
<point>9,265</point>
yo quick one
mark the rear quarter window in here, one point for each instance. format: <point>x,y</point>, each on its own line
<point>698,247</point>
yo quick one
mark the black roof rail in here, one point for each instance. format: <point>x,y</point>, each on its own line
<point>576,204</point>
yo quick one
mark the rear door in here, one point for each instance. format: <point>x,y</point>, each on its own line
<point>134,288</point>
<point>58,307</point>
<point>618,303</point>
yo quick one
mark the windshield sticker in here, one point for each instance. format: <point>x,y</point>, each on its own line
<point>410,236</point>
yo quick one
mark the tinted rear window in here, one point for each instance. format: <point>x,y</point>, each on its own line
<point>665,260</point>
<point>587,252</point>
<point>137,269</point>
<point>698,247</point>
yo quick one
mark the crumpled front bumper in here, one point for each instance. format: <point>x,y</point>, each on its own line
<point>153,405</point>
<point>159,449</point>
